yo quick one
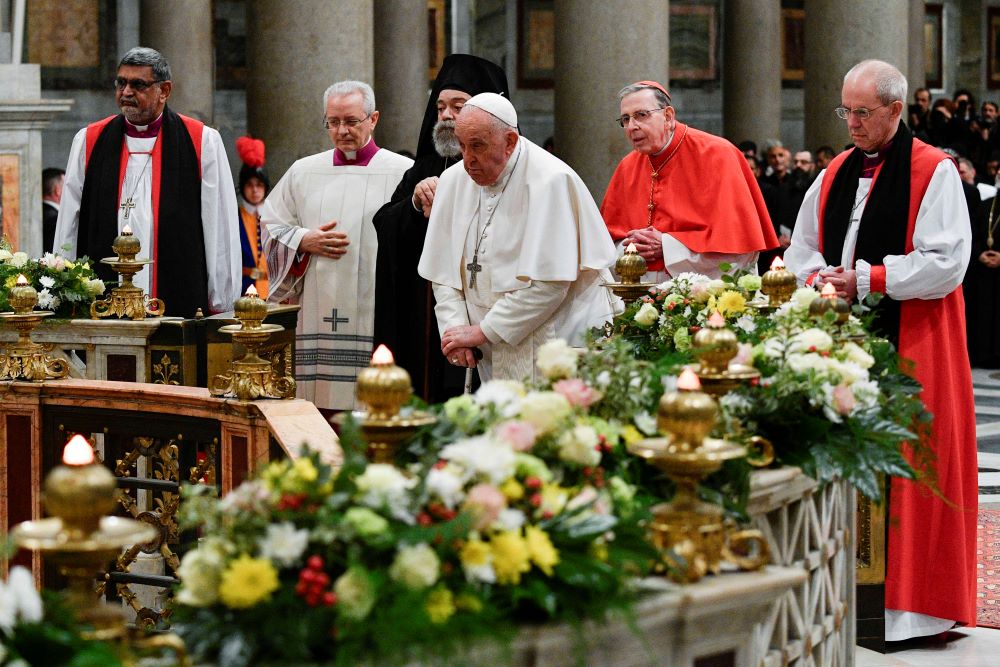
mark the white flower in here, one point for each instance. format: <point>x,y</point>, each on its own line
<point>866,393</point>
<point>580,445</point>
<point>849,371</point>
<point>416,567</point>
<point>5,255</point>
<point>735,403</point>
<point>95,286</point>
<point>810,340</point>
<point>803,363</point>
<point>717,286</point>
<point>19,259</point>
<point>200,572</point>
<point>745,322</point>
<point>856,354</point>
<point>54,262</point>
<point>749,282</point>
<point>47,300</point>
<point>504,395</point>
<point>509,520</point>
<point>482,457</point>
<point>645,422</point>
<point>381,486</point>
<point>283,543</point>
<point>803,297</point>
<point>603,378</point>
<point>47,281</point>
<point>772,348</point>
<point>544,410</point>
<point>446,484</point>
<point>19,601</point>
<point>556,359</point>
<point>647,314</point>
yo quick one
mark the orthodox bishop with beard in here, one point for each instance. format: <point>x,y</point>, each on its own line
<point>516,248</point>
<point>404,302</point>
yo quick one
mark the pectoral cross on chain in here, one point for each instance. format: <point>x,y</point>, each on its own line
<point>127,206</point>
<point>473,267</point>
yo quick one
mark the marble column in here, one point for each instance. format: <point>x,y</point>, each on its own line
<point>600,48</point>
<point>401,62</point>
<point>916,72</point>
<point>840,34</point>
<point>182,32</point>
<point>295,51</point>
<point>751,71</point>
<point>970,72</point>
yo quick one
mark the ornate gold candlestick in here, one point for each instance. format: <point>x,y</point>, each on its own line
<point>127,300</point>
<point>691,534</point>
<point>27,360</point>
<point>829,301</point>
<point>715,346</point>
<point>778,283</point>
<point>631,267</point>
<point>385,388</point>
<point>252,377</point>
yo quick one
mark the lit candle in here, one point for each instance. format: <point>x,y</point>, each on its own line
<point>382,356</point>
<point>716,320</point>
<point>78,452</point>
<point>688,381</point>
<point>21,280</point>
<point>631,248</point>
<point>126,230</point>
<point>828,291</point>
<point>778,263</point>
<point>251,291</point>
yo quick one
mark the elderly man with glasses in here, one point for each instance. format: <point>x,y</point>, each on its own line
<point>317,234</point>
<point>888,217</point>
<point>685,198</point>
<point>174,191</point>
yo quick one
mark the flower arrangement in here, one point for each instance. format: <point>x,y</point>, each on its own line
<point>62,284</point>
<point>505,517</point>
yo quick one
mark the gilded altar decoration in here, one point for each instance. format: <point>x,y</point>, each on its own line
<point>631,267</point>
<point>127,301</point>
<point>777,284</point>
<point>828,301</point>
<point>385,388</point>
<point>252,377</point>
<point>25,359</point>
<point>716,346</point>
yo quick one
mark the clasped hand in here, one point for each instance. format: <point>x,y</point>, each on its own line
<point>458,344</point>
<point>845,281</point>
<point>648,243</point>
<point>325,242</point>
<point>423,194</point>
<point>990,258</point>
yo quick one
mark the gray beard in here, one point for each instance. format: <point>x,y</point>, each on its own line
<point>445,141</point>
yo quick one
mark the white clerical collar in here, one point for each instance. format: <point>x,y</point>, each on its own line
<point>250,208</point>
<point>53,204</point>
<point>665,146</point>
<point>353,155</point>
<point>507,171</point>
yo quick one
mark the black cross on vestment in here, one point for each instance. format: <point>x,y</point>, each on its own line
<point>473,267</point>
<point>334,320</point>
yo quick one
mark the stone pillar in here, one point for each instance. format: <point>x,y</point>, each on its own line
<point>916,72</point>
<point>401,62</point>
<point>600,48</point>
<point>751,71</point>
<point>295,51</point>
<point>969,69</point>
<point>182,32</point>
<point>840,34</point>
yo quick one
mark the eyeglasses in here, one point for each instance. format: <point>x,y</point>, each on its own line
<point>334,123</point>
<point>138,85</point>
<point>860,113</point>
<point>638,116</point>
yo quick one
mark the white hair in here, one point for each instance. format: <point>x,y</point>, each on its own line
<point>497,126</point>
<point>348,87</point>
<point>890,84</point>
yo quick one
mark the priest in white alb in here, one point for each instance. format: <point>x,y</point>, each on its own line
<point>516,248</point>
<point>165,176</point>
<point>321,245</point>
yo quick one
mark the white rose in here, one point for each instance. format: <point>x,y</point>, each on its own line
<point>803,363</point>
<point>856,354</point>
<point>717,286</point>
<point>21,586</point>
<point>19,259</point>
<point>544,410</point>
<point>446,485</point>
<point>416,566</point>
<point>200,572</point>
<point>482,457</point>
<point>580,445</point>
<point>803,296</point>
<point>382,486</point>
<point>284,544</point>
<point>647,315</point>
<point>5,255</point>
<point>504,395</point>
<point>849,371</point>
<point>509,520</point>
<point>811,340</point>
<point>556,359</point>
<point>95,287</point>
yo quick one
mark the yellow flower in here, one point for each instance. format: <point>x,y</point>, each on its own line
<point>247,581</point>
<point>543,554</point>
<point>469,602</point>
<point>305,470</point>
<point>70,265</point>
<point>10,282</point>
<point>631,434</point>
<point>510,556</point>
<point>731,302</point>
<point>474,553</point>
<point>440,605</point>
<point>512,489</point>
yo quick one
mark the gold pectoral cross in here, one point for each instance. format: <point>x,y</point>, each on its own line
<point>473,267</point>
<point>127,206</point>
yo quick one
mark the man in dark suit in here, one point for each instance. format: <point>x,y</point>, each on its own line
<point>52,185</point>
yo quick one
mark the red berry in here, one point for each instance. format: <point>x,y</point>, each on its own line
<point>424,519</point>
<point>588,471</point>
<point>440,464</point>
<point>535,500</point>
<point>300,588</point>
<point>533,482</point>
<point>547,514</point>
<point>329,598</point>
<point>312,599</point>
<point>321,580</point>
<point>315,562</point>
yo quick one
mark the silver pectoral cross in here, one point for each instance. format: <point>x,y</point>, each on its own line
<point>127,206</point>
<point>473,267</point>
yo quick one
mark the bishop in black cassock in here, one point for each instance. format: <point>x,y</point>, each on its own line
<point>404,303</point>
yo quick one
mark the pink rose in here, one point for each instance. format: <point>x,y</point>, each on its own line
<point>577,392</point>
<point>485,502</point>
<point>744,354</point>
<point>520,435</point>
<point>843,399</point>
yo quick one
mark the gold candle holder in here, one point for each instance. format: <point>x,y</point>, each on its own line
<point>252,377</point>
<point>716,346</point>
<point>385,388</point>
<point>631,267</point>
<point>778,283</point>
<point>692,535</point>
<point>25,359</point>
<point>828,301</point>
<point>126,300</point>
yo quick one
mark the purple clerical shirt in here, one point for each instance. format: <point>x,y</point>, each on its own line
<point>362,158</point>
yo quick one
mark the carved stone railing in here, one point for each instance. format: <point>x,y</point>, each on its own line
<point>810,528</point>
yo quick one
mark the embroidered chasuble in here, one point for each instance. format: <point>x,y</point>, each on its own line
<point>335,329</point>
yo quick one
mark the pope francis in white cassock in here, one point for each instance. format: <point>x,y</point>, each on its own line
<point>516,248</point>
